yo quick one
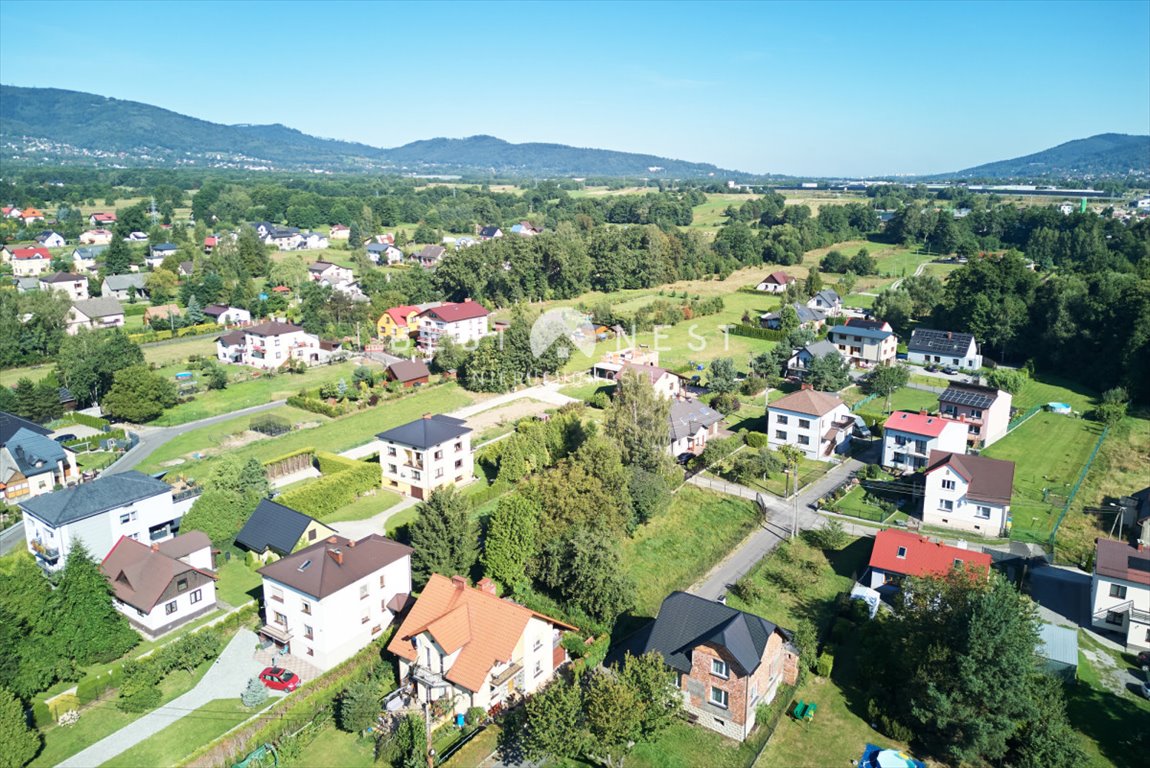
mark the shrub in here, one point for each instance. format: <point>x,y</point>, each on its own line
<point>753,385</point>
<point>41,715</point>
<point>825,664</point>
<point>329,493</point>
<point>315,406</point>
<point>873,471</point>
<point>756,439</point>
<point>748,589</point>
<point>474,715</point>
<point>841,630</point>
<point>726,403</point>
<point>600,400</point>
<point>254,694</point>
<point>66,702</point>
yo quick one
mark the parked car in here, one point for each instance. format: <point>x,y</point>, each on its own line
<point>684,458</point>
<point>1144,660</point>
<point>279,679</point>
<point>1145,689</point>
<point>931,368</point>
<point>64,437</point>
<point>950,371</point>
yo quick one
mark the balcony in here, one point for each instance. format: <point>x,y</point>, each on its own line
<point>425,676</point>
<point>48,554</point>
<point>277,633</point>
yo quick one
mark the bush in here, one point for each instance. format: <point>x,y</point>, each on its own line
<point>41,715</point>
<point>329,493</point>
<point>315,406</point>
<point>600,400</point>
<point>726,403</point>
<point>474,716</point>
<point>748,589</point>
<point>825,664</point>
<point>841,629</point>
<point>873,471</point>
<point>756,439</point>
<point>753,385</point>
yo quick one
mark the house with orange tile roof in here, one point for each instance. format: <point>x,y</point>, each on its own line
<point>467,645</point>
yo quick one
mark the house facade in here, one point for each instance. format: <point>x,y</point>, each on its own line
<point>968,493</point>
<point>225,315</point>
<point>84,258</point>
<point>947,348</point>
<point>96,237</point>
<point>426,454</point>
<point>270,345</point>
<point>817,423</point>
<point>896,554</point>
<point>909,438</point>
<point>984,410</point>
<point>329,274</point>
<point>463,322</point>
<point>1120,588</point>
<point>692,424</point>
<point>326,602</point>
<point>776,282</point>
<point>102,312</point>
<point>99,513</point>
<point>74,287</point>
<point>727,663</point>
<point>123,287</point>
<point>826,300</point>
<point>865,345</point>
<point>163,586</point>
<point>31,463</point>
<point>50,239</point>
<point>467,645</point>
<point>398,322</point>
<point>30,262</point>
<point>666,384</point>
<point>800,363</point>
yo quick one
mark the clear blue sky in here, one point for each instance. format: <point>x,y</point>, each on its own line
<point>819,88</point>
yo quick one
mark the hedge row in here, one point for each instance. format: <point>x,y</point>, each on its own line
<point>132,310</point>
<point>329,493</point>
<point>315,406</point>
<point>493,491</point>
<point>81,418</point>
<point>93,441</point>
<point>754,332</point>
<point>286,456</point>
<point>330,463</point>
<point>191,330</point>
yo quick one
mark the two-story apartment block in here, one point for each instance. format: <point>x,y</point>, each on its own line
<point>984,410</point>
<point>817,423</point>
<point>909,438</point>
<point>74,287</point>
<point>162,586</point>
<point>968,493</point>
<point>896,555</point>
<point>727,663</point>
<point>101,312</point>
<point>98,513</point>
<point>943,348</point>
<point>270,345</point>
<point>31,463</point>
<point>1120,588</point>
<point>865,343</point>
<point>467,644</point>
<point>327,601</point>
<point>30,262</point>
<point>463,322</point>
<point>425,454</point>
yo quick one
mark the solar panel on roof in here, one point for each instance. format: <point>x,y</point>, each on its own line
<point>966,397</point>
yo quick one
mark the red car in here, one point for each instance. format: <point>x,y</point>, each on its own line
<point>279,679</point>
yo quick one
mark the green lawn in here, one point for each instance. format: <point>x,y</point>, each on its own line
<point>333,748</point>
<point>400,519</point>
<point>334,435</point>
<point>1051,389</point>
<point>677,548</point>
<point>238,583</point>
<point>853,504</point>
<point>95,460</point>
<point>905,399</point>
<point>171,745</point>
<point>689,746</point>
<point>1108,723</point>
<point>1048,451</point>
<point>475,751</point>
<point>163,353</point>
<point>365,507</point>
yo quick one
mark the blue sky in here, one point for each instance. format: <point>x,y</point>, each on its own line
<point>820,88</point>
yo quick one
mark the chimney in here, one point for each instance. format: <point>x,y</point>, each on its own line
<point>486,585</point>
<point>922,412</point>
<point>427,415</point>
<point>155,547</point>
<point>467,300</point>
<point>459,582</point>
<point>806,385</point>
<point>337,555</point>
<point>332,540</point>
<point>350,543</point>
<point>949,335</point>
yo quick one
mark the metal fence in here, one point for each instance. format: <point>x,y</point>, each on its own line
<point>1018,421</point>
<point>855,408</point>
<point>1077,485</point>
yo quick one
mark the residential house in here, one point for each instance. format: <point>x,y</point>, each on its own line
<point>102,312</point>
<point>1120,587</point>
<point>776,282</point>
<point>490,233</point>
<point>99,512</point>
<point>74,287</point>
<point>10,212</point>
<point>264,228</point>
<point>326,273</point>
<point>339,232</point>
<point>30,262</point>
<point>210,243</point>
<point>313,241</point>
<point>123,287</point>
<point>808,318</point>
<point>96,237</point>
<point>430,255</point>
<point>800,362</point>
<point>826,300</point>
<point>727,663</point>
<point>284,238</point>
<point>384,253</point>
<point>162,586</point>
<point>526,229</point>
<point>84,258</point>
<point>31,216</point>
<point>136,237</point>
<point>817,423</point>
<point>463,322</point>
<point>612,363</point>
<point>225,315</point>
<point>101,219</point>
<point>327,601</point>
<point>270,345</point>
<point>399,322</point>
<point>27,284</point>
<point>409,373</point>
<point>692,423</point>
<point>467,645</point>
<point>865,343</point>
<point>908,439</point>
<point>425,454</point>
<point>31,462</point>
<point>896,554</point>
<point>947,348</point>
<point>50,239</point>
<point>274,530</point>
<point>985,411</point>
<point>157,253</point>
<point>968,493</point>
<point>186,269</point>
<point>161,313</point>
<point>666,384</point>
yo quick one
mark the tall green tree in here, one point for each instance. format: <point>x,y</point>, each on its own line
<point>443,536</point>
<point>722,375</point>
<point>638,420</point>
<point>411,742</point>
<point>88,361</point>
<point>138,395</point>
<point>829,373</point>
<point>357,707</point>
<point>21,743</point>
<point>87,628</point>
<point>510,543</point>
<point>888,379</point>
<point>117,257</point>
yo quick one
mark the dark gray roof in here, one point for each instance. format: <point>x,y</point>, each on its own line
<point>939,342</point>
<point>821,348</point>
<point>687,416</point>
<point>32,452</point>
<point>426,432</point>
<point>972,395</point>
<point>862,333</point>
<point>488,231</point>
<point>828,296</point>
<point>89,251</point>
<point>88,499</point>
<point>686,621</point>
<point>377,247</point>
<point>805,314</point>
<point>10,424</point>
<point>273,526</point>
<point>124,282</point>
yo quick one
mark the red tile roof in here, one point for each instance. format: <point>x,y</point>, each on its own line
<point>31,253</point>
<point>399,315</point>
<point>779,278</point>
<point>917,423</point>
<point>453,312</point>
<point>922,557</point>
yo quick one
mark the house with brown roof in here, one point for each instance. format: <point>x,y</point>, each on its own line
<point>969,493</point>
<point>326,602</point>
<point>1120,587</point>
<point>463,322</point>
<point>271,345</point>
<point>409,373</point>
<point>817,423</point>
<point>162,586</point>
<point>74,287</point>
<point>776,282</point>
<point>467,645</point>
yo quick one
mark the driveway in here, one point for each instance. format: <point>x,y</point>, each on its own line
<point>1062,595</point>
<point>226,679</point>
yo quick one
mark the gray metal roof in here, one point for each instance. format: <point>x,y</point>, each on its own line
<point>1058,643</point>
<point>101,306</point>
<point>10,424</point>
<point>100,495</point>
<point>426,432</point>
<point>124,282</point>
<point>687,416</point>
<point>821,348</point>
<point>32,452</point>
<point>863,333</point>
<point>273,526</point>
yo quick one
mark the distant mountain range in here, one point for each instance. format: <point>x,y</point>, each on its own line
<point>55,125</point>
<point>1106,155</point>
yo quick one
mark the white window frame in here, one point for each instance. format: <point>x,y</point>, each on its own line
<point>722,700</point>
<point>720,668</point>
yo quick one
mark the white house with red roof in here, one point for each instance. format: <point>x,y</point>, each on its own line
<point>968,493</point>
<point>776,282</point>
<point>898,554</point>
<point>908,439</point>
<point>101,219</point>
<point>463,322</point>
<point>30,262</point>
<point>817,423</point>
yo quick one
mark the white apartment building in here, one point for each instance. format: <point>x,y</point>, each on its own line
<point>968,493</point>
<point>908,439</point>
<point>100,513</point>
<point>425,454</point>
<point>462,322</point>
<point>818,423</point>
<point>865,343</point>
<point>328,601</point>
<point>1120,588</point>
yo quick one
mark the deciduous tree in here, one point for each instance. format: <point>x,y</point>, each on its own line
<point>638,420</point>
<point>138,395</point>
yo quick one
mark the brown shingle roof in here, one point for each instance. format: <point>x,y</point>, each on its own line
<point>334,563</point>
<point>185,544</point>
<point>139,574</point>
<point>990,479</point>
<point>808,401</point>
<point>273,329</point>
<point>483,627</point>
<point>409,370</point>
<point>652,372</point>
<point>1120,560</point>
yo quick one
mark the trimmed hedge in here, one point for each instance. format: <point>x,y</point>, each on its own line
<point>82,418</point>
<point>753,332</point>
<point>330,463</point>
<point>41,715</point>
<point>91,688</point>
<point>191,330</point>
<point>290,455</point>
<point>493,491</point>
<point>315,406</point>
<point>329,493</point>
<point>755,439</point>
